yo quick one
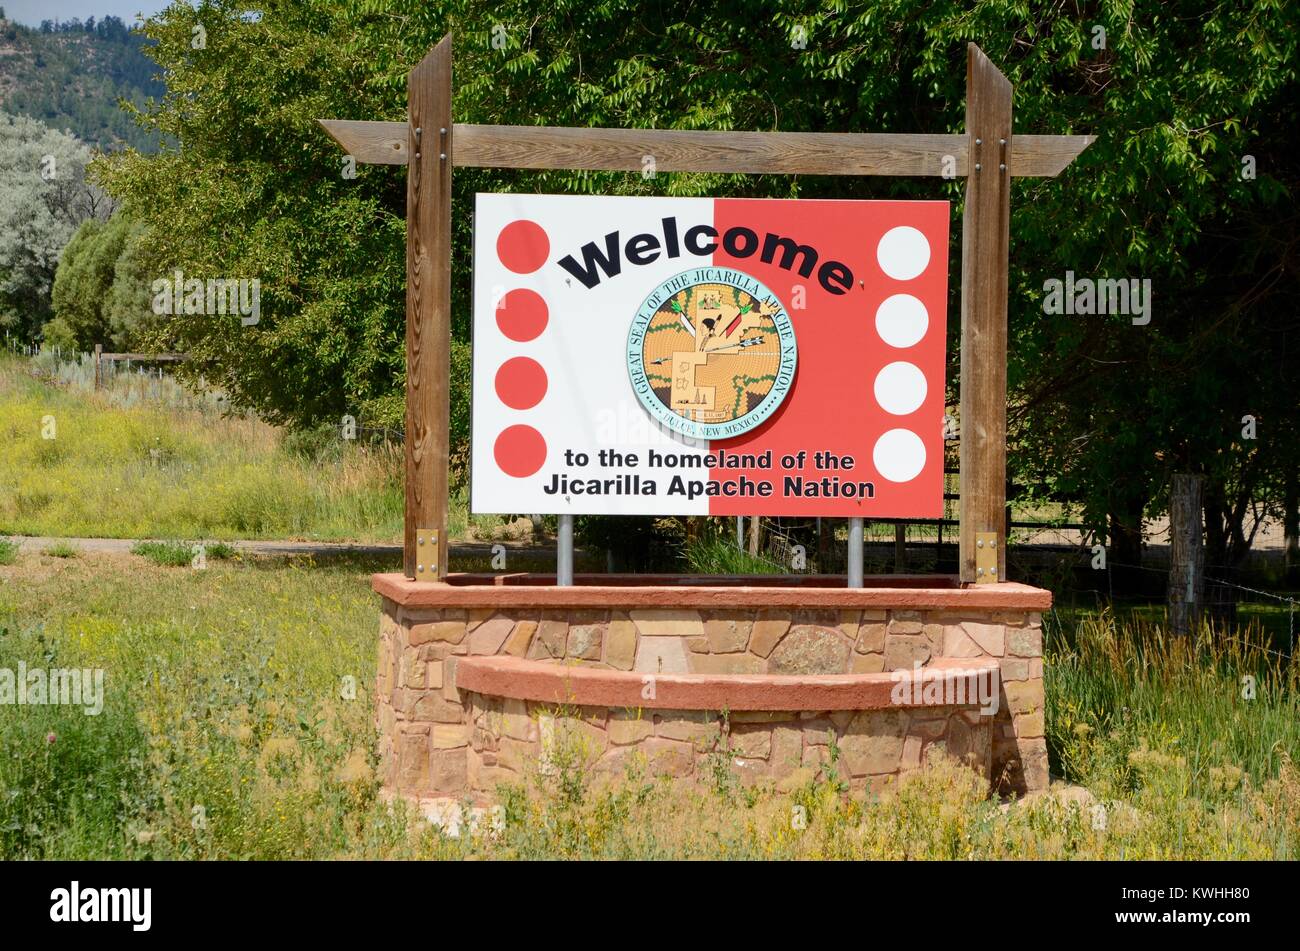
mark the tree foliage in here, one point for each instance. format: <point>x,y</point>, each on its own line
<point>1100,410</point>
<point>44,197</point>
<point>101,291</point>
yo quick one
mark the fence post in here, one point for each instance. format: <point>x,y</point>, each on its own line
<point>99,352</point>
<point>1186,556</point>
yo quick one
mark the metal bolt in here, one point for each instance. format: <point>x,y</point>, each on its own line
<point>977,166</point>
<point>979,141</point>
<point>1002,141</point>
<point>443,156</point>
<point>1002,168</point>
<point>980,543</point>
<point>443,131</point>
<point>419,569</point>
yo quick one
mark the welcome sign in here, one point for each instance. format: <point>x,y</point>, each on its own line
<point>695,356</point>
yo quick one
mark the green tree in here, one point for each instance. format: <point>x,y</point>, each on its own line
<point>1100,410</point>
<point>44,197</point>
<point>102,288</point>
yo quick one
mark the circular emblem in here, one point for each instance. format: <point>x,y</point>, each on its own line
<point>711,353</point>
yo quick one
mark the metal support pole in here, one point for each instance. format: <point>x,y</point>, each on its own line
<point>855,553</point>
<point>564,551</point>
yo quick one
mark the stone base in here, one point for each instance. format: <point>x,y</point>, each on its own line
<point>835,658</point>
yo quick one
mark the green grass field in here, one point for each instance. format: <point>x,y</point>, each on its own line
<point>145,459</point>
<point>111,464</point>
<point>226,732</point>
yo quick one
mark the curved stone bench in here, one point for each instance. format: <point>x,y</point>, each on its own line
<point>945,682</point>
<point>475,673</point>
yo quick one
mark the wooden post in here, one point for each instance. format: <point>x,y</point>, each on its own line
<point>99,353</point>
<point>900,548</point>
<point>984,251</point>
<point>1186,554</point>
<point>428,312</point>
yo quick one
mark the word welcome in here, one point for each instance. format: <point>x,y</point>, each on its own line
<point>103,904</point>
<point>37,687</point>
<point>1103,296</point>
<point>703,240</point>
<point>212,297</point>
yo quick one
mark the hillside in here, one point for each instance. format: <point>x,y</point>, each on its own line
<point>71,76</point>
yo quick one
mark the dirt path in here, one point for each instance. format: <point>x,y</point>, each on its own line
<point>514,550</point>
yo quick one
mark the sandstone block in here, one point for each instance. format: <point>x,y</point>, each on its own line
<point>668,623</point>
<point>905,651</point>
<point>766,634</point>
<point>585,641</point>
<point>620,644</point>
<point>1025,641</point>
<point>810,650</point>
<point>521,636</point>
<point>727,636</point>
<point>660,655</point>
<point>490,635</point>
<point>453,632</point>
<point>627,726</point>
<point>871,638</point>
<point>989,637</point>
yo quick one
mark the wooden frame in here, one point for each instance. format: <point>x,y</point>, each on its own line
<point>986,155</point>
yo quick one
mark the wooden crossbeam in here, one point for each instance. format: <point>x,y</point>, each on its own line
<point>759,153</point>
<point>145,357</point>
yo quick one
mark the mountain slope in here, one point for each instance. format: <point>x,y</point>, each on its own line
<point>70,76</point>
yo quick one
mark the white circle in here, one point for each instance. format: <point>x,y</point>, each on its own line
<point>900,388</point>
<point>903,253</point>
<point>901,320</point>
<point>899,455</point>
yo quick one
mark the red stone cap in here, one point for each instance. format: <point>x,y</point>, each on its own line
<point>946,682</point>
<point>908,592</point>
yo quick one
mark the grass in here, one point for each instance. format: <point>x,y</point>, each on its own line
<point>143,458</point>
<point>721,556</point>
<point>1118,693</point>
<point>180,554</point>
<point>8,551</point>
<point>238,723</point>
<point>144,468</point>
<point>63,550</point>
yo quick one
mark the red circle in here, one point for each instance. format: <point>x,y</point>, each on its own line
<point>522,314</point>
<point>519,451</point>
<point>521,383</point>
<point>523,246</point>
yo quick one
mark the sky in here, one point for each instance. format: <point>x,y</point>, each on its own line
<point>32,12</point>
